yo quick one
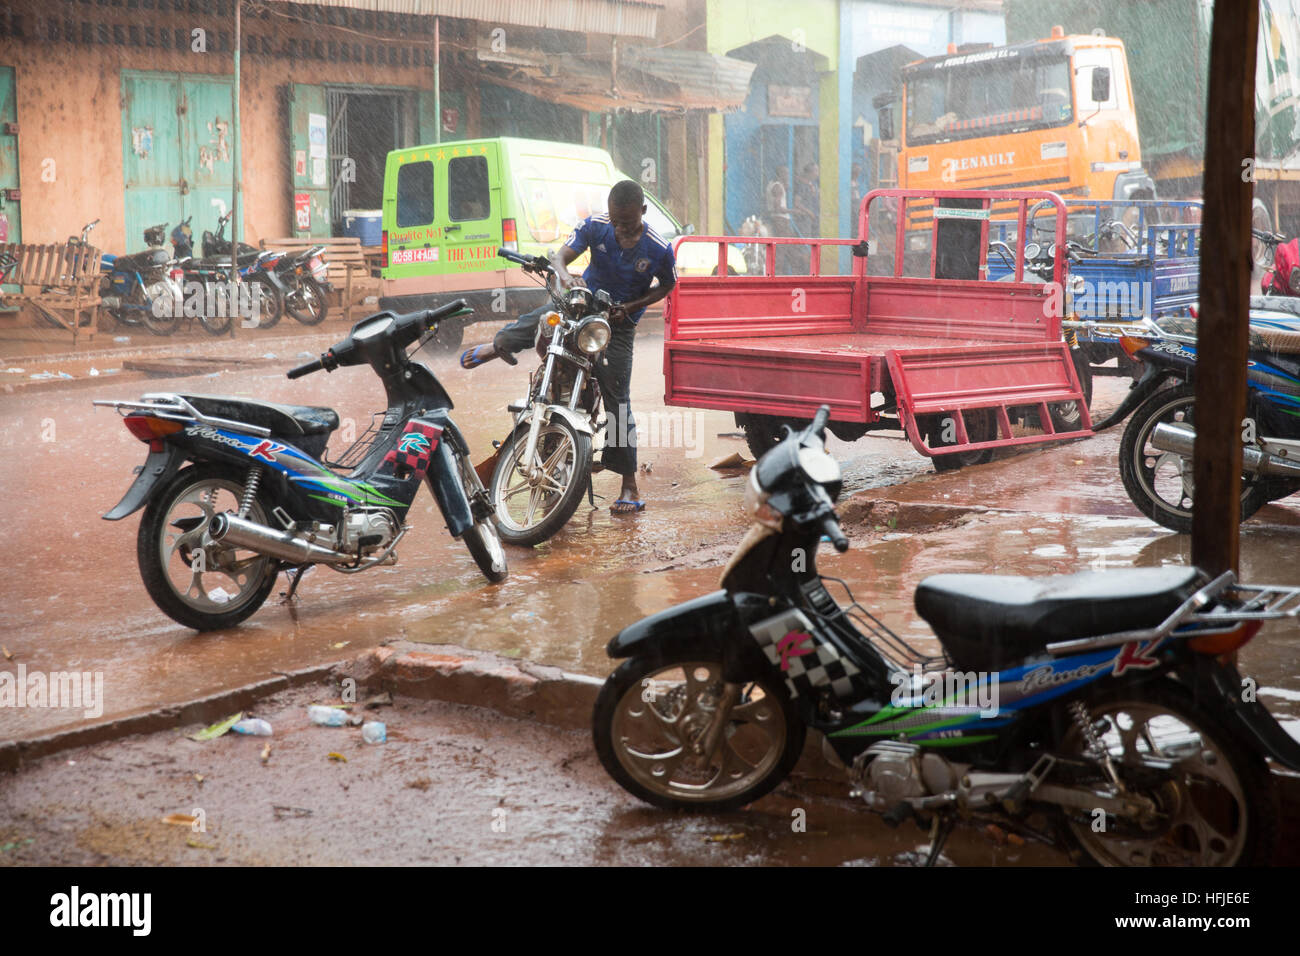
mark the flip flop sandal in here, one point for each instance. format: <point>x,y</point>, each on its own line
<point>630,507</point>
<point>473,358</point>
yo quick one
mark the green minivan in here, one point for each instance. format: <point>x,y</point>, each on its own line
<point>449,207</point>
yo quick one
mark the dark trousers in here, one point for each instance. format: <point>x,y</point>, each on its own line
<point>613,371</point>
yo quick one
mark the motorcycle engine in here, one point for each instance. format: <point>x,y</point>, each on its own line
<point>367,529</point>
<point>892,771</point>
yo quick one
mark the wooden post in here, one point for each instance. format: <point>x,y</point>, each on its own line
<point>1223,321</point>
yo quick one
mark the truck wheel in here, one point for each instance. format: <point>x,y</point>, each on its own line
<point>1068,416</point>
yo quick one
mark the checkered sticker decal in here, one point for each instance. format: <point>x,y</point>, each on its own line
<point>807,663</point>
<point>414,449</point>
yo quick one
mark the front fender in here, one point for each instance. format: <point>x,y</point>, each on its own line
<point>712,624</point>
<point>578,420</point>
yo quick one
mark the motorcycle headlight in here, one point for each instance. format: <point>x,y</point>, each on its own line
<point>593,335</point>
<point>756,505</point>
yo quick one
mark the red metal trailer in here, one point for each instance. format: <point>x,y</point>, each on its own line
<point>953,358</point>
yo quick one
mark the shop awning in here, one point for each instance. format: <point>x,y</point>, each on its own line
<point>628,18</point>
<point>635,78</point>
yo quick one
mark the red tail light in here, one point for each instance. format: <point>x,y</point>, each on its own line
<point>177,275</point>
<point>383,259</point>
<point>509,236</point>
<point>1194,310</point>
<point>1225,643</point>
<point>147,427</point>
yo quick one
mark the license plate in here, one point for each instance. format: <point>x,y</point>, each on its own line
<point>318,267</point>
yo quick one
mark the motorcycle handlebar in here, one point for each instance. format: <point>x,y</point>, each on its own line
<point>307,369</point>
<point>831,528</point>
<point>819,421</point>
<point>534,263</point>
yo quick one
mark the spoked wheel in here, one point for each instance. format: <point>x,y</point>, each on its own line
<point>1068,416</point>
<point>194,580</point>
<point>1261,252</point>
<point>307,303</point>
<point>940,430</point>
<point>651,724</point>
<point>1213,800</point>
<point>531,508</point>
<point>482,540</point>
<point>269,304</point>
<point>1160,482</point>
<point>223,312</point>
<point>165,320</point>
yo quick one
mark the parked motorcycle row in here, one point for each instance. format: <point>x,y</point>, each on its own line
<point>159,291</point>
<point>1098,712</point>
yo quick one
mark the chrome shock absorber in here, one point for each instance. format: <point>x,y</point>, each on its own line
<point>1096,749</point>
<point>250,490</point>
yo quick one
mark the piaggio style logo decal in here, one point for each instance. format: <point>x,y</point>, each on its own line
<point>792,646</point>
<point>413,443</point>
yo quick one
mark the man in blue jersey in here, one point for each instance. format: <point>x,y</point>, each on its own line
<point>627,256</point>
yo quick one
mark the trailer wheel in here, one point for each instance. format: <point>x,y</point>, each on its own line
<point>765,432</point>
<point>981,425</point>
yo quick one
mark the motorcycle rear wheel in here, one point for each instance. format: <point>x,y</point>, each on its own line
<point>270,302</point>
<point>1217,806</point>
<point>173,531</point>
<point>1160,482</point>
<point>651,710</point>
<point>528,513</point>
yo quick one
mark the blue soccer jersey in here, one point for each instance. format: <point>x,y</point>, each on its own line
<point>625,274</point>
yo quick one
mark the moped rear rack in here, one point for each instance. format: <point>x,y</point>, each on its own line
<point>892,647</point>
<point>172,406</point>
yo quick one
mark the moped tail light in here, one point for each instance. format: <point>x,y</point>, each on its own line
<point>147,427</point>
<point>1132,345</point>
<point>1217,644</point>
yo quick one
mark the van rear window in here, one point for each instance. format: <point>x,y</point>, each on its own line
<point>415,194</point>
<point>467,188</point>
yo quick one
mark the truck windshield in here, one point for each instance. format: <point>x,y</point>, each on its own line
<point>987,99</point>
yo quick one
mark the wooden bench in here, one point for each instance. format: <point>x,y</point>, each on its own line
<point>60,282</point>
<point>343,257</point>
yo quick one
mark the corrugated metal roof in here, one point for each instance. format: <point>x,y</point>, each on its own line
<point>629,18</point>
<point>650,79</point>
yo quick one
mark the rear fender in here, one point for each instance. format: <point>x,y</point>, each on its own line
<point>156,471</point>
<point>1151,381</point>
<point>1213,679</point>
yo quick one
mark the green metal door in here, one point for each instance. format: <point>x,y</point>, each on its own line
<point>10,220</point>
<point>176,153</point>
<point>309,159</point>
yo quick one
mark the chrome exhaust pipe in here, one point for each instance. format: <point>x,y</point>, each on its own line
<point>236,532</point>
<point>1181,439</point>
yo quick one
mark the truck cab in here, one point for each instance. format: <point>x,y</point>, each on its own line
<point>1054,114</point>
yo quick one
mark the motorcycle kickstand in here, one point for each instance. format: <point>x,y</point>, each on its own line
<point>940,829</point>
<point>295,578</point>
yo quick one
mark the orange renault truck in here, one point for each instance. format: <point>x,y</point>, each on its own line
<point>1054,114</point>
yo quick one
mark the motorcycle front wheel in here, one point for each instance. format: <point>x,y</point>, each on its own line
<point>1160,482</point>
<point>159,324</point>
<point>1213,797</point>
<point>482,540</point>
<point>270,303</point>
<point>652,712</point>
<point>194,580</point>
<point>530,510</point>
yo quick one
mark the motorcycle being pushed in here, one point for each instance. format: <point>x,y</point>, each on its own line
<point>1155,456</point>
<point>256,494</point>
<point>1099,712</point>
<point>542,468</point>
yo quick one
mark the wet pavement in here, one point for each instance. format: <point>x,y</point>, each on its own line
<point>453,785</point>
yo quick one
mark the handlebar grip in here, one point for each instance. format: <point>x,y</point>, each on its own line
<point>307,369</point>
<point>433,315</point>
<point>831,528</point>
<point>514,256</point>
<point>820,419</point>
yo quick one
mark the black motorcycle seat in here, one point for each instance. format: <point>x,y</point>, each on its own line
<point>141,260</point>
<point>287,421</point>
<point>988,622</point>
